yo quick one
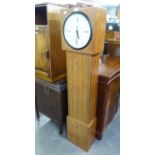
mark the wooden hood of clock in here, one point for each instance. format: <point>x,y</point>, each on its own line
<point>97,17</point>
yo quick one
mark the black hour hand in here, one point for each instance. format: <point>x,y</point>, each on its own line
<point>77,34</point>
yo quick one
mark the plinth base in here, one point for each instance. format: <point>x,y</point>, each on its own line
<point>80,133</point>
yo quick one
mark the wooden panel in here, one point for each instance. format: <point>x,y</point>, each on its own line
<point>78,77</point>
<point>41,49</point>
<point>82,85</point>
<point>112,102</point>
<point>58,56</point>
<point>107,105</point>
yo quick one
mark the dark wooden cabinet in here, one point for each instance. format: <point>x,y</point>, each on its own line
<point>50,59</point>
<point>51,100</point>
<point>108,92</point>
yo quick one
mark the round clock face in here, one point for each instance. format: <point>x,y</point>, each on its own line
<point>77,30</point>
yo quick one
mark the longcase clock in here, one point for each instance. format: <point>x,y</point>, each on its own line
<point>83,34</point>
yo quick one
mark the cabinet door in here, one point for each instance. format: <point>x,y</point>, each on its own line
<point>113,100</point>
<point>42,62</point>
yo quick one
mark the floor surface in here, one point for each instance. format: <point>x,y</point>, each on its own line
<point>49,142</point>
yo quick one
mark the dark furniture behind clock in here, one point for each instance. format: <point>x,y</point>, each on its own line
<point>51,100</point>
<point>108,92</point>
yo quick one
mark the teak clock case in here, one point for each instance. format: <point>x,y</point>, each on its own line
<point>50,59</point>
<point>82,79</point>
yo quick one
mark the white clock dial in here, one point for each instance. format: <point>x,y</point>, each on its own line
<point>77,30</point>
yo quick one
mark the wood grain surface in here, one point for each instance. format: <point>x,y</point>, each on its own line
<point>50,58</point>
